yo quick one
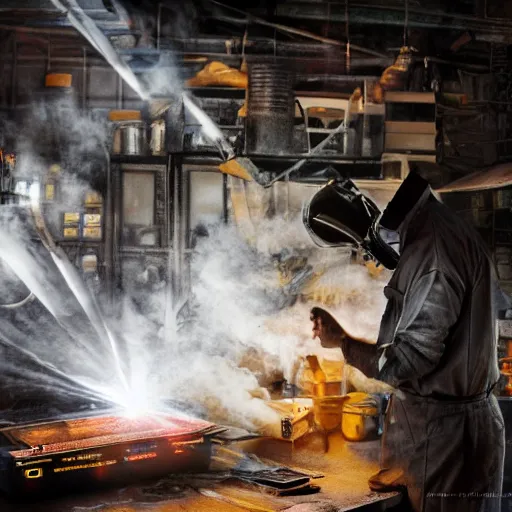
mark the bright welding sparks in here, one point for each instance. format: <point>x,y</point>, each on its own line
<point>34,193</point>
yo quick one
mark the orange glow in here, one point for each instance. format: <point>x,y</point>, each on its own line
<point>85,466</point>
<point>141,456</point>
<point>179,451</point>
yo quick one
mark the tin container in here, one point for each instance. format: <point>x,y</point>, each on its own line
<point>90,263</point>
<point>157,143</point>
<point>130,138</point>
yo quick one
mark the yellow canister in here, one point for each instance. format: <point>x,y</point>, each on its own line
<point>92,233</point>
<point>71,218</point>
<point>58,80</point>
<point>92,219</point>
<point>70,232</point>
<point>93,198</point>
<point>328,411</point>
<point>357,417</point>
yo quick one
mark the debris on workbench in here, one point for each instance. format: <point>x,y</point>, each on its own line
<point>277,480</point>
<point>245,470</point>
<point>166,488</point>
<point>209,493</point>
<point>233,434</point>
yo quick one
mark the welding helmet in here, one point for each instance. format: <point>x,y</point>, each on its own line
<point>339,214</point>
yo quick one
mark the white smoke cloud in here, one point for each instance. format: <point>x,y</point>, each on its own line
<point>237,308</point>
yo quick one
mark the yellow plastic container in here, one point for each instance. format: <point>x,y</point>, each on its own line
<point>58,80</point>
<point>357,420</point>
<point>328,412</point>
<point>124,115</point>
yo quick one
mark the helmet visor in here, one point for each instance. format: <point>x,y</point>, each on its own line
<point>338,215</point>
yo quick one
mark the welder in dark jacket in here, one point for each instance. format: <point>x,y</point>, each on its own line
<point>437,346</point>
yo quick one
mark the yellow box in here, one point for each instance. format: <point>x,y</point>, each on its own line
<point>71,218</point>
<point>49,192</point>
<point>92,232</point>
<point>93,198</point>
<point>71,232</point>
<point>92,219</point>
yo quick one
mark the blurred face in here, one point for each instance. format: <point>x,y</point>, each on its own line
<point>326,329</point>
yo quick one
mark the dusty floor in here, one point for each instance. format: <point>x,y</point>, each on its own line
<point>346,469</point>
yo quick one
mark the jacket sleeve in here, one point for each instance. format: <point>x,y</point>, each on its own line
<point>431,308</point>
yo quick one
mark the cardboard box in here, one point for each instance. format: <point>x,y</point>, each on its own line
<point>71,232</point>
<point>71,218</point>
<point>91,232</point>
<point>92,219</point>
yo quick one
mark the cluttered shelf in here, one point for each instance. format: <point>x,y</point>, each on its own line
<point>139,159</point>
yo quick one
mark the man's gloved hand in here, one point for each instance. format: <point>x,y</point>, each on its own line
<point>326,328</point>
<point>357,352</point>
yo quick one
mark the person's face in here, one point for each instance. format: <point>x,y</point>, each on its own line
<point>327,332</point>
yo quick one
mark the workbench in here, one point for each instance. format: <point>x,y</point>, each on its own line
<point>346,468</point>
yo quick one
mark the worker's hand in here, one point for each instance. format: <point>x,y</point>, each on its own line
<point>326,328</point>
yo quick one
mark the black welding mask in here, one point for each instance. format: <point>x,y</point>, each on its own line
<point>339,215</point>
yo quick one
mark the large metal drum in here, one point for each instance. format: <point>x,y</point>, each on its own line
<point>270,110</point>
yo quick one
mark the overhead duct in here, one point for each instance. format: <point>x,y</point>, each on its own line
<point>392,16</point>
<point>270,110</point>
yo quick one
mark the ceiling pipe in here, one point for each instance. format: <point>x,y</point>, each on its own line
<point>260,46</point>
<point>41,30</point>
<point>381,15</point>
<point>291,30</point>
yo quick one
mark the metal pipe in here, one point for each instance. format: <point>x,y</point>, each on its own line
<point>14,71</point>
<point>186,231</point>
<point>386,15</point>
<point>84,80</point>
<point>335,78</point>
<point>298,6</point>
<point>49,54</point>
<point>5,100</point>
<point>68,60</point>
<point>256,46</point>
<point>40,30</point>
<point>158,25</point>
<point>300,61</point>
<point>167,242</point>
<point>406,22</point>
<point>177,231</point>
<point>462,65</point>
<point>291,30</point>
<point>110,233</point>
<point>119,93</point>
<point>225,212</point>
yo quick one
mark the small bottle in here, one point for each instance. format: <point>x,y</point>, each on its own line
<point>319,377</point>
<point>286,428</point>
<point>50,187</point>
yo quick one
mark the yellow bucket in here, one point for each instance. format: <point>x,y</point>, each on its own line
<point>356,422</point>
<point>58,80</point>
<point>124,115</point>
<point>328,411</point>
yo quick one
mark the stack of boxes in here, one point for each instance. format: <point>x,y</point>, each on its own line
<point>85,225</point>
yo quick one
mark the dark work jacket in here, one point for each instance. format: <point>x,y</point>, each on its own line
<point>439,329</point>
<point>439,325</point>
